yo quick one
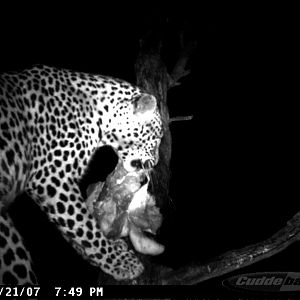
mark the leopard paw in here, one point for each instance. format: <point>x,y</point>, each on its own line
<point>123,265</point>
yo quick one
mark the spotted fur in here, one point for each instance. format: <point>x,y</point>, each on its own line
<point>51,123</point>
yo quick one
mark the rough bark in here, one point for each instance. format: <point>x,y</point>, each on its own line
<point>152,76</point>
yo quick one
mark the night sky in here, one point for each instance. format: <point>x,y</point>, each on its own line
<point>233,166</point>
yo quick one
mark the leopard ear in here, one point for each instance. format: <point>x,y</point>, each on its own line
<point>144,106</point>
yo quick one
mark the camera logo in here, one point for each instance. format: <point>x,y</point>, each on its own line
<point>265,282</point>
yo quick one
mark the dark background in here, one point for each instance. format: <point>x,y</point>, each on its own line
<point>234,166</point>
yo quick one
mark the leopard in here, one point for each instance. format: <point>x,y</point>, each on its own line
<point>52,121</point>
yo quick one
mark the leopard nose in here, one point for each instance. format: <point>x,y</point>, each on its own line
<point>137,164</point>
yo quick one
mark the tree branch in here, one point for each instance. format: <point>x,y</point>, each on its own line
<point>179,70</point>
<point>236,259</point>
<point>180,118</point>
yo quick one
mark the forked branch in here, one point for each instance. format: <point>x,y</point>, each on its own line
<point>179,71</point>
